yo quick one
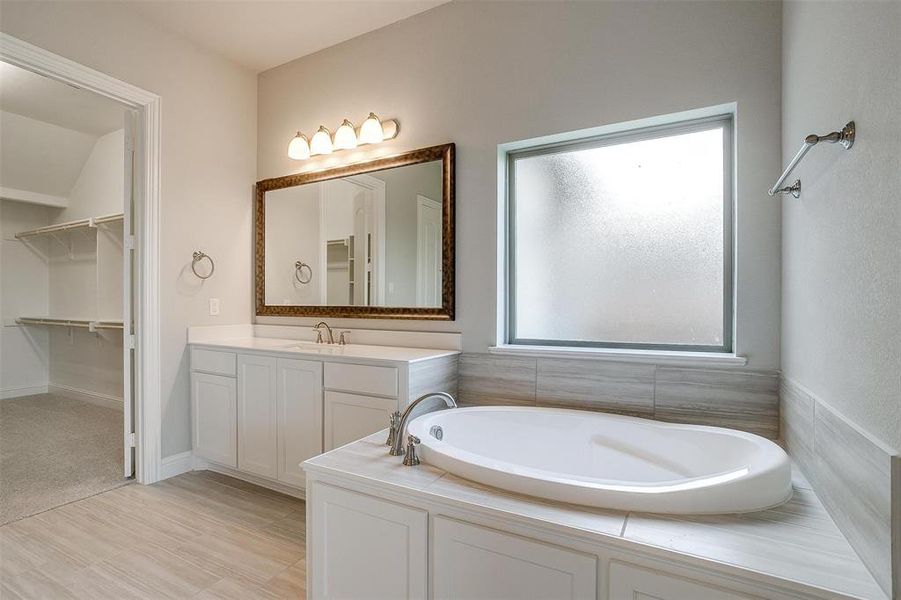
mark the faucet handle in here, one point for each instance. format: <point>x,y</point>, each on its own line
<point>410,458</point>
<point>342,339</point>
<point>318,334</point>
<point>393,424</point>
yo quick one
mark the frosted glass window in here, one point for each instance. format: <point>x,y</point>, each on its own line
<point>624,241</point>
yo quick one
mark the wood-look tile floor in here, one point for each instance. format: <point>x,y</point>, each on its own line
<point>199,535</point>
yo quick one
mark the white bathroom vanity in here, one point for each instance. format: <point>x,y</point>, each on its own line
<point>263,405</point>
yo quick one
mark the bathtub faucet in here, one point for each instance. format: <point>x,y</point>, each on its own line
<point>399,424</point>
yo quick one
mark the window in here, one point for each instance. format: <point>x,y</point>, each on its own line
<point>623,241</point>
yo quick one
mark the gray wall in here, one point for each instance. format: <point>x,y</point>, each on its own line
<point>841,243</point>
<point>401,188</point>
<point>484,73</point>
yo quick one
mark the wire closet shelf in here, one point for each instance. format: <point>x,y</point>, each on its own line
<point>90,325</point>
<point>90,222</point>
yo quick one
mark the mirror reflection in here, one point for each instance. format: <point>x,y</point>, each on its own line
<point>364,240</point>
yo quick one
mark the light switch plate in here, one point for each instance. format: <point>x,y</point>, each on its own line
<point>214,307</point>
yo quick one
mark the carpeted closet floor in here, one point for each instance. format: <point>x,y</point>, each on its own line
<point>54,450</point>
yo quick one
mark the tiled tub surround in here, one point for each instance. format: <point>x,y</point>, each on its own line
<point>857,478</point>
<point>794,550</point>
<point>725,397</point>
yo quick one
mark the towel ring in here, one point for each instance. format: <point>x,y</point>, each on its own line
<point>299,268</point>
<point>199,256</point>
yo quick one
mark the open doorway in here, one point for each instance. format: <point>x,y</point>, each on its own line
<point>66,293</point>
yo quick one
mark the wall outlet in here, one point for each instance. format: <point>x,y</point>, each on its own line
<point>214,307</point>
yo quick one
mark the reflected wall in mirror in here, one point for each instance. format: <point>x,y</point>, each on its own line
<point>373,239</point>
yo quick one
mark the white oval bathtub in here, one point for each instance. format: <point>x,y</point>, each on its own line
<point>606,460</point>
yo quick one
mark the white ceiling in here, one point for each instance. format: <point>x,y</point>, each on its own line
<point>30,95</point>
<point>261,34</point>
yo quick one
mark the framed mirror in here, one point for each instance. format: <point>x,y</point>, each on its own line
<point>368,240</point>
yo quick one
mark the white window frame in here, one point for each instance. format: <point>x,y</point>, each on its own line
<point>596,137</point>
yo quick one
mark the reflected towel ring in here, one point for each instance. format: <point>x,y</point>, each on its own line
<point>199,256</point>
<point>299,268</point>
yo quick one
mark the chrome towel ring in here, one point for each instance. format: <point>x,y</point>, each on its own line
<point>303,272</point>
<point>199,256</point>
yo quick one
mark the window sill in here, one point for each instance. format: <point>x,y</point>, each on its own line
<point>657,357</point>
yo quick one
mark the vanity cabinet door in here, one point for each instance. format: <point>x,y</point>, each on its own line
<point>365,547</point>
<point>470,561</point>
<point>628,582</point>
<point>214,430</point>
<point>257,415</point>
<point>299,399</point>
<point>349,417</point>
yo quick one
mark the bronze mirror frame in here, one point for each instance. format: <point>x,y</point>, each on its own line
<point>444,153</point>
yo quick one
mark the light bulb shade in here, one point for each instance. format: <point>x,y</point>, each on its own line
<point>346,136</point>
<point>321,142</point>
<point>371,130</point>
<point>299,148</point>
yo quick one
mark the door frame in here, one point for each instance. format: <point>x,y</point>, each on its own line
<point>146,339</point>
<point>379,223</point>
<point>421,202</point>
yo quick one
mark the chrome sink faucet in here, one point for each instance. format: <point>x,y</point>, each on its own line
<point>318,330</point>
<point>399,424</point>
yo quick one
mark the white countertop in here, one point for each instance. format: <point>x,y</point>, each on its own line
<point>797,543</point>
<point>300,348</point>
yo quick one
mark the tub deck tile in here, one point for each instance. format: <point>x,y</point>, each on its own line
<point>797,541</point>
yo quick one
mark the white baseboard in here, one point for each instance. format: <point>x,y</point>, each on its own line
<point>87,396</point>
<point>22,391</point>
<point>176,464</point>
<point>289,490</point>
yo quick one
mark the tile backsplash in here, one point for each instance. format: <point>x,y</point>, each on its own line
<point>857,478</point>
<point>737,398</point>
<point>625,388</point>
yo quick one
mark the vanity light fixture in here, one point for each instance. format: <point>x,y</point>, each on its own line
<point>321,142</point>
<point>346,136</point>
<point>299,148</point>
<point>372,131</point>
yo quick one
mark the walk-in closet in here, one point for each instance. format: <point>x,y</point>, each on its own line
<point>65,169</point>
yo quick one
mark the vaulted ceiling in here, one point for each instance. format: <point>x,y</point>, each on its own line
<point>261,34</point>
<point>36,97</point>
<point>47,131</point>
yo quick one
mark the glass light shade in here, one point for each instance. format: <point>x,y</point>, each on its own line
<point>345,136</point>
<point>299,148</point>
<point>321,142</point>
<point>371,130</point>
